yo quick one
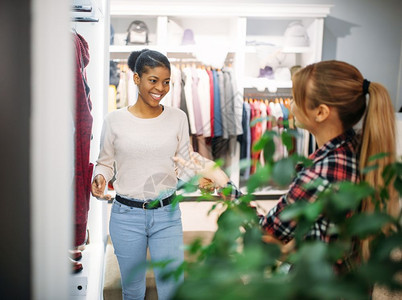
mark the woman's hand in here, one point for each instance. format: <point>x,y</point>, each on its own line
<point>206,186</point>
<point>98,188</point>
<point>204,167</point>
<point>285,248</point>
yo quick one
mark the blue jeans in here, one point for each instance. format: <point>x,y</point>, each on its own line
<point>132,230</point>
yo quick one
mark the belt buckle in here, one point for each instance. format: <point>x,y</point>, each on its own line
<point>144,205</point>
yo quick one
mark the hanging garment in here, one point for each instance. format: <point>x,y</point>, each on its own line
<point>175,83</point>
<point>204,98</point>
<point>237,102</point>
<point>196,102</point>
<point>256,133</point>
<point>277,113</point>
<point>183,102</point>
<point>211,103</point>
<point>217,106</point>
<point>187,79</point>
<point>122,93</point>
<point>230,120</point>
<point>83,132</point>
<point>245,140</point>
<point>263,110</point>
<point>132,90</point>
<point>224,114</point>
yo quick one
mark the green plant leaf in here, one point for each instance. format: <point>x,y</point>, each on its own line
<point>384,245</point>
<point>255,121</point>
<point>347,196</point>
<point>304,161</point>
<point>260,177</point>
<point>388,174</point>
<point>263,140</point>
<point>378,156</point>
<point>293,211</point>
<point>369,169</point>
<point>313,210</point>
<point>283,172</point>
<point>398,185</point>
<point>363,225</point>
<point>269,150</point>
<point>287,140</point>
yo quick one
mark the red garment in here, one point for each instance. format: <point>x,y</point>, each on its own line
<point>256,133</point>
<point>82,138</point>
<point>269,115</point>
<point>211,91</point>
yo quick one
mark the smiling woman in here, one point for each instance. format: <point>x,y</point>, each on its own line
<point>138,142</point>
<point>152,77</point>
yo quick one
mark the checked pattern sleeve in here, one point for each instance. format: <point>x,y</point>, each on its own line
<point>298,191</point>
<point>336,161</point>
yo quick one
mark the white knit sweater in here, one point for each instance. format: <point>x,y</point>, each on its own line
<point>142,150</point>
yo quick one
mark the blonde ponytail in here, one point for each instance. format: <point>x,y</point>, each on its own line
<point>378,136</point>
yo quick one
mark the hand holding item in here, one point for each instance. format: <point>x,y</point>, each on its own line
<point>204,167</point>
<point>206,185</point>
<point>98,188</point>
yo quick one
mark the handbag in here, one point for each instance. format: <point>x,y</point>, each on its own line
<point>137,33</point>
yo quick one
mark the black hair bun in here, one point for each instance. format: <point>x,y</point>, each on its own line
<point>133,58</point>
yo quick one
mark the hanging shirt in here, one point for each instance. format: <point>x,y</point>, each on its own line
<point>211,103</point>
<point>277,113</point>
<point>230,120</point>
<point>82,139</point>
<point>204,98</point>
<point>256,132</point>
<point>245,140</point>
<point>196,102</point>
<point>263,109</point>
<point>217,106</point>
<point>175,86</point>
<point>224,114</point>
<point>237,102</point>
<point>188,81</point>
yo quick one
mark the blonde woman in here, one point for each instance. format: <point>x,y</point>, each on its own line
<point>330,98</point>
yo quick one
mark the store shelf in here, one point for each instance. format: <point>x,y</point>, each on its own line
<point>264,83</point>
<point>295,50</point>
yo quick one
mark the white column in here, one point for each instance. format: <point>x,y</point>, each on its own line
<point>51,148</point>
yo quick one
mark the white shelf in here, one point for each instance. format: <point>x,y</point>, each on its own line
<point>130,48</point>
<point>262,83</point>
<point>141,8</point>
<point>188,51</point>
<point>253,49</point>
<point>296,50</point>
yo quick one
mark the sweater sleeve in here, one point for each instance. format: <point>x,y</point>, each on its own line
<point>104,164</point>
<point>183,149</point>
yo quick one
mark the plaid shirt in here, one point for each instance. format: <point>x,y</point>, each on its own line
<point>335,161</point>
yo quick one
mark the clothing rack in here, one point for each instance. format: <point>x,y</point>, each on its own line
<point>280,93</point>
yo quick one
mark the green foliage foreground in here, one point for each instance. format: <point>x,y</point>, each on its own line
<point>237,264</point>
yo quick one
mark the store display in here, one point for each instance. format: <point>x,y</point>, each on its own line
<point>137,33</point>
<point>188,37</point>
<point>296,35</point>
